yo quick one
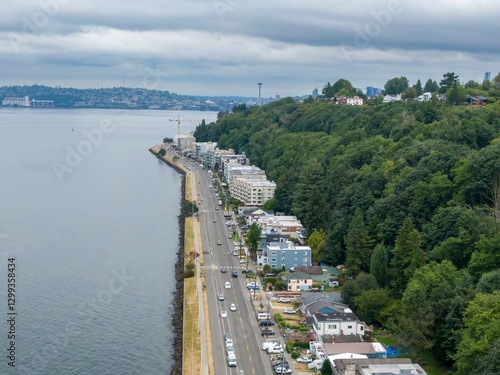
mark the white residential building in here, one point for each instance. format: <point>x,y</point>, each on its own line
<point>21,102</point>
<point>201,149</point>
<point>184,142</point>
<point>281,224</point>
<point>425,97</point>
<point>252,192</point>
<point>355,100</point>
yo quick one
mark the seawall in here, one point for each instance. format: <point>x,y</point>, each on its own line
<point>178,302</point>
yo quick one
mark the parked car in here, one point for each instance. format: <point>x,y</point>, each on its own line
<point>283,370</point>
<point>223,314</point>
<point>221,297</point>
<point>284,300</point>
<point>231,360</point>
<point>288,310</point>
<point>267,332</point>
<point>227,336</point>
<point>304,360</point>
<point>266,323</point>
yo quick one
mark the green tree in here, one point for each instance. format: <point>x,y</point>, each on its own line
<point>418,87</point>
<point>449,80</point>
<point>455,95</point>
<point>409,93</point>
<point>326,368</point>
<point>396,85</point>
<point>359,245</point>
<point>378,264</point>
<point>353,288</point>
<point>431,86</point>
<point>489,363</point>
<point>343,84</point>
<point>489,282</point>
<point>167,140</point>
<point>406,257</point>
<point>327,91</point>
<point>162,152</point>
<point>317,243</point>
<point>253,237</point>
<point>496,81</point>
<point>482,328</point>
<point>370,303</point>
<point>309,200</point>
<point>188,208</point>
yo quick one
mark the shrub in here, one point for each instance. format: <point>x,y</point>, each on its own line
<point>190,266</point>
<point>278,318</point>
<point>295,355</point>
<point>187,274</point>
<point>289,347</point>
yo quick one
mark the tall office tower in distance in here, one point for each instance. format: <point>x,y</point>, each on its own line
<point>487,76</point>
<point>260,100</point>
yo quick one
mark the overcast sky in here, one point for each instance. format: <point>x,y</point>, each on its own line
<point>225,47</point>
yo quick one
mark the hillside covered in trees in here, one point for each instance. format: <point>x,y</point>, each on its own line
<point>406,196</point>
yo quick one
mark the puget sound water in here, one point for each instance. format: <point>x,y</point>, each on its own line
<point>88,241</point>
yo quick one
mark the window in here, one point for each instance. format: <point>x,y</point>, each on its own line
<point>273,260</point>
<point>273,252</point>
<point>304,253</point>
<point>349,327</point>
<point>283,259</point>
<point>304,259</point>
<point>282,253</point>
<point>332,326</point>
<point>273,265</point>
<point>361,328</point>
<point>296,253</point>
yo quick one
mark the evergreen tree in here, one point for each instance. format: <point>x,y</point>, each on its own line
<point>405,257</point>
<point>309,200</point>
<point>378,264</point>
<point>359,245</point>
<point>418,88</point>
<point>317,243</point>
<point>431,86</point>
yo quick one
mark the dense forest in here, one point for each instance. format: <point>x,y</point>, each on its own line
<point>406,195</point>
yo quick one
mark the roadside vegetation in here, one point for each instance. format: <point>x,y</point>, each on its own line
<point>406,197</point>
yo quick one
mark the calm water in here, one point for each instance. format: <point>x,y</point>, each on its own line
<point>91,219</point>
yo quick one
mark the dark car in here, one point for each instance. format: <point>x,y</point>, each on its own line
<point>266,323</point>
<point>267,332</point>
<point>234,274</point>
<point>223,269</point>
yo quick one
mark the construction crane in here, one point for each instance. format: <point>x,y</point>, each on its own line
<point>179,122</point>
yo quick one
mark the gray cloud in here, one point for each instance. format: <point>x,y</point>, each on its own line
<point>226,46</point>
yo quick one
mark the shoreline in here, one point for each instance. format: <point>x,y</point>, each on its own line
<point>178,301</point>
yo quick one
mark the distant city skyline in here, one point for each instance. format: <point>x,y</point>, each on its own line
<point>223,47</point>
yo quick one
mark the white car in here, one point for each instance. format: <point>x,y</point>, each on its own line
<point>229,343</point>
<point>304,360</point>
<point>223,314</point>
<point>227,285</point>
<point>233,307</point>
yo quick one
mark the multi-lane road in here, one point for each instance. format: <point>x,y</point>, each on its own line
<point>240,324</point>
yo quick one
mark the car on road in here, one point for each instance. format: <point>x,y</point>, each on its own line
<point>265,323</point>
<point>219,243</point>
<point>288,310</point>
<point>223,314</point>
<point>231,361</point>
<point>229,343</point>
<point>221,297</point>
<point>243,261</point>
<point>233,307</point>
<point>229,236</point>
<point>267,332</point>
<point>227,336</point>
<point>214,221</point>
<point>227,285</point>
<point>304,360</point>
<point>283,370</point>
<point>234,274</point>
<point>223,269</point>
<point>230,350</point>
